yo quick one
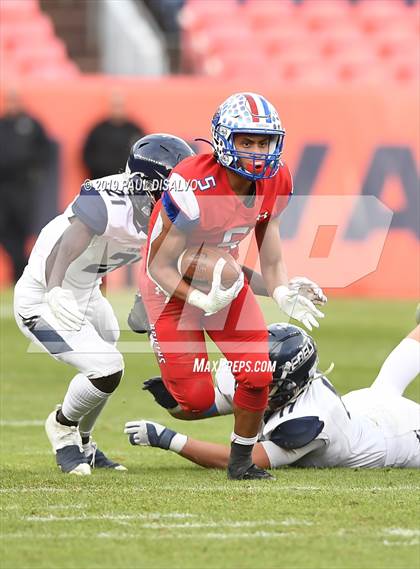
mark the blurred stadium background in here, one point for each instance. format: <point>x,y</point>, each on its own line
<point>343,74</point>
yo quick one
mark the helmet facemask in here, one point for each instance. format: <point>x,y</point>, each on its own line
<point>284,390</point>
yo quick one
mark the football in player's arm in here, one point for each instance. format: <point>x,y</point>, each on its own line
<point>216,200</point>
<point>58,303</point>
<point>307,423</point>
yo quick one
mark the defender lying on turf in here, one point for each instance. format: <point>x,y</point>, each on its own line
<point>308,423</point>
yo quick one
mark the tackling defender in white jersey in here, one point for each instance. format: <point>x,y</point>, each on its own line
<point>58,303</point>
<point>308,424</point>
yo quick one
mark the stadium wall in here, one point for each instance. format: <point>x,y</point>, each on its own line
<point>342,143</point>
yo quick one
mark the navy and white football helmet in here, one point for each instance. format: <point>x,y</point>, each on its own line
<point>152,158</point>
<point>296,357</point>
<point>149,165</point>
<point>252,114</point>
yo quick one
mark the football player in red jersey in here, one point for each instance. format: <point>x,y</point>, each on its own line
<point>216,200</point>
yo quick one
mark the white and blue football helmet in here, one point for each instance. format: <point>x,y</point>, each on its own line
<point>253,114</point>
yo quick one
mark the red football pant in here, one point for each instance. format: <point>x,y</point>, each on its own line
<point>178,340</point>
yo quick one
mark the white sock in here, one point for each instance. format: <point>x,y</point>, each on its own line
<point>243,440</point>
<point>88,421</point>
<point>400,368</point>
<point>81,398</point>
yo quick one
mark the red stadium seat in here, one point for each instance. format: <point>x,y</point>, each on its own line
<point>238,64</point>
<point>27,58</point>
<point>260,14</point>
<point>358,65</point>
<point>321,15</point>
<point>334,41</point>
<point>405,69</point>
<point>67,70</point>
<point>17,11</point>
<point>395,42</point>
<point>198,14</point>
<point>373,15</point>
<point>294,65</point>
<point>37,30</point>
<point>273,41</point>
<point>221,40</point>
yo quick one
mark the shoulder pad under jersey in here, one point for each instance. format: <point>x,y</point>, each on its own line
<point>91,209</point>
<point>297,433</point>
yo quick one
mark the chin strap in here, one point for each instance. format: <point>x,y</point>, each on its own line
<point>204,140</point>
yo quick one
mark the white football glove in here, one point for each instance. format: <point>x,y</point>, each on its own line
<point>309,289</point>
<point>137,432</point>
<point>218,297</point>
<point>297,306</point>
<point>65,308</point>
<point>149,433</point>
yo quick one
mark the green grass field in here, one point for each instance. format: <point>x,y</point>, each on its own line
<point>167,513</point>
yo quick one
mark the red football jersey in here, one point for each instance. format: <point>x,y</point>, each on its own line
<point>200,201</point>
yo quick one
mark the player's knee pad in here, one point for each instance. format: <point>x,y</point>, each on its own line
<point>199,397</point>
<point>105,363</point>
<point>251,398</point>
<point>109,383</point>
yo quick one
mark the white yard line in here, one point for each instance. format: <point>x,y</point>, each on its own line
<point>154,537</point>
<point>34,423</point>
<point>157,525</point>
<point>110,517</point>
<point>405,532</point>
<point>42,489</point>
<point>276,488</point>
<point>228,489</point>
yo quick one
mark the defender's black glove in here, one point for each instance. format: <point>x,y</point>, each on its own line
<point>161,395</point>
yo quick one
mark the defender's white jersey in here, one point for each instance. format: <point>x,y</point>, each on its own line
<point>117,240</point>
<point>363,429</point>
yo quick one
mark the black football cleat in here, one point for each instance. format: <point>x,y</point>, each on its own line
<point>251,473</point>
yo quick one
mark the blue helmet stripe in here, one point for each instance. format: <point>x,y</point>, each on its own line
<point>266,109</point>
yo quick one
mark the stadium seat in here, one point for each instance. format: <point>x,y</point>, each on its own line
<point>260,14</point>
<point>395,42</point>
<point>39,29</point>
<point>66,70</point>
<point>221,40</point>
<point>324,14</point>
<point>17,11</point>
<point>358,65</point>
<point>405,69</point>
<point>374,15</point>
<point>274,42</point>
<point>293,65</point>
<point>198,14</point>
<point>238,64</point>
<point>27,58</point>
<point>28,44</point>
<point>339,39</point>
